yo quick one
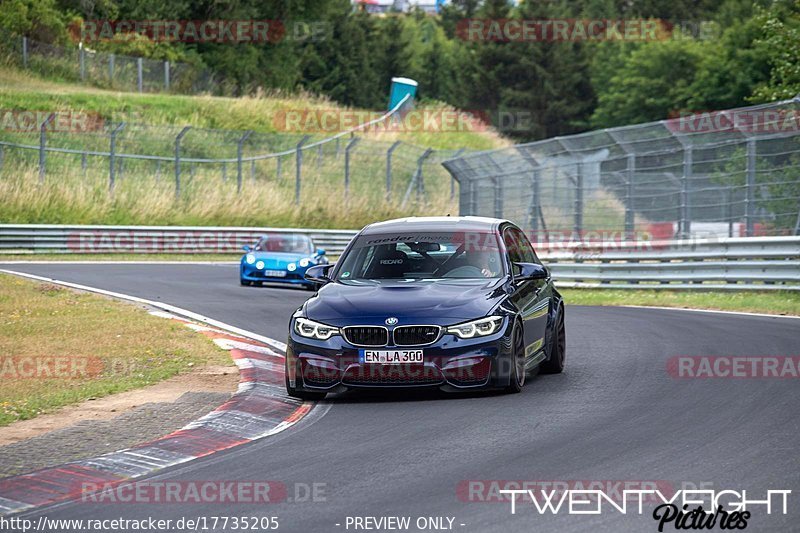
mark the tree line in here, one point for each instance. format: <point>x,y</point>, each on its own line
<point>707,54</point>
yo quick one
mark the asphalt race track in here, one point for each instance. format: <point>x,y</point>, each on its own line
<point>614,414</point>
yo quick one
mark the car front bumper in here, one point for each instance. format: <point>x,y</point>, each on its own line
<point>251,273</point>
<point>451,364</point>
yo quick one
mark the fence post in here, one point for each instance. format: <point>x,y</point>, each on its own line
<point>728,210</point>
<point>629,211</point>
<point>224,171</point>
<point>298,168</point>
<point>112,156</point>
<point>416,180</point>
<point>82,58</point>
<point>797,224</point>
<point>24,52</point>
<point>253,170</point>
<point>498,196</point>
<point>239,152</point>
<point>420,177</point>
<point>139,81</point>
<point>158,170</point>
<point>533,212</point>
<point>178,160</point>
<point>42,141</point>
<point>579,200</point>
<point>319,155</point>
<point>389,153</point>
<point>166,75</point>
<point>2,156</point>
<point>453,178</point>
<point>111,69</point>
<point>278,168</point>
<point>749,204</point>
<point>686,222</point>
<point>349,147</point>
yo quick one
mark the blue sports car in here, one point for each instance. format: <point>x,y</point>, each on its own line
<point>455,303</point>
<point>280,258</point>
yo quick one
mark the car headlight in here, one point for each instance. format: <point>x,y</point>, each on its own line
<point>476,328</point>
<point>304,263</point>
<point>291,267</point>
<point>250,258</point>
<point>260,265</point>
<point>314,330</point>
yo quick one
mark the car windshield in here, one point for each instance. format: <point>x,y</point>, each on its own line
<point>422,256</point>
<point>289,243</point>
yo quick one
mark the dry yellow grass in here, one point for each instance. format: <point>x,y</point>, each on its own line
<point>59,347</point>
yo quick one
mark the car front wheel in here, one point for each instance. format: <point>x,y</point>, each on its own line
<point>558,348</point>
<point>518,374</point>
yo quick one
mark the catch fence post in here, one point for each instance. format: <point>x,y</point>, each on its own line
<point>298,168</point>
<point>239,153</point>
<point>42,142</point>
<point>112,155</point>
<point>347,150</point>
<point>183,132</point>
<point>389,153</point>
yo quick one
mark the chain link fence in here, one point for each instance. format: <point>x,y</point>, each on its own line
<point>723,173</point>
<point>351,163</point>
<point>106,70</point>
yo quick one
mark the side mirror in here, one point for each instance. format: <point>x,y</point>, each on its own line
<point>529,271</point>
<point>319,273</point>
<point>320,252</point>
<point>246,248</point>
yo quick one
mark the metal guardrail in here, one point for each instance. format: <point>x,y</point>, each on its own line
<point>57,239</point>
<point>758,263</point>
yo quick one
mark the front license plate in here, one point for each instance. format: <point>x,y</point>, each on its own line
<point>275,273</point>
<point>389,357</point>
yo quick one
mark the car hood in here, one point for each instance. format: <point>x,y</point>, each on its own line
<point>414,301</point>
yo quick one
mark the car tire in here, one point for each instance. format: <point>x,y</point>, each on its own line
<point>257,283</point>
<point>301,394</point>
<point>244,282</point>
<point>558,347</point>
<point>518,373</point>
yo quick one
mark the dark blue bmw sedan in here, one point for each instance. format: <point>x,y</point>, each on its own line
<point>458,303</point>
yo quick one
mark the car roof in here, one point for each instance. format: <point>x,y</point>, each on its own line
<point>468,223</point>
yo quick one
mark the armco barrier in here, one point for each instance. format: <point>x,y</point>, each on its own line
<point>762,263</point>
<point>55,239</point>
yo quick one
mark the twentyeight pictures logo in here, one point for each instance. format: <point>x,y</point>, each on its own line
<point>685,509</point>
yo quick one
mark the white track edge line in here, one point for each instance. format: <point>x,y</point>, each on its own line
<point>742,313</point>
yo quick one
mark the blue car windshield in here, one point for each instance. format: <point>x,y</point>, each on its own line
<point>423,256</point>
<point>283,243</point>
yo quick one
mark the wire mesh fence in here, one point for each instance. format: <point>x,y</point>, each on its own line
<point>83,149</point>
<point>106,70</point>
<point>722,173</point>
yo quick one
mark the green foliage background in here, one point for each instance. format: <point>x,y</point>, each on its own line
<point>721,54</point>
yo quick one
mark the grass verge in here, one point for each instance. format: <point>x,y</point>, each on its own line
<point>769,302</point>
<point>60,347</point>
